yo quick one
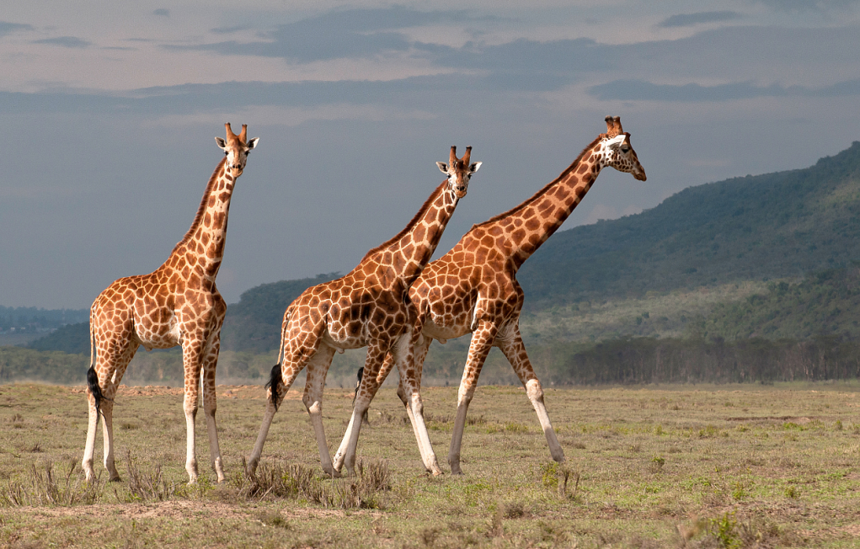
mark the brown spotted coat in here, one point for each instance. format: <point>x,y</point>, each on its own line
<point>177,304</point>
<point>473,288</point>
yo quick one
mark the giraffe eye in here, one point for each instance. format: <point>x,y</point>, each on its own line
<point>625,149</point>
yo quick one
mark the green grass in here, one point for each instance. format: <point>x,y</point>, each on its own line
<point>691,466</point>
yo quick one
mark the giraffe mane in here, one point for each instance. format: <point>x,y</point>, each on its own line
<point>546,187</point>
<point>198,217</point>
<point>411,224</point>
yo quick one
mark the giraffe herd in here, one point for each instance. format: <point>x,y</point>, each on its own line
<point>395,302</point>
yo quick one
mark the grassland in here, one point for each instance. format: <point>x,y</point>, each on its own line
<point>679,466</point>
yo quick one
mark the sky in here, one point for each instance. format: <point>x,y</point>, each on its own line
<point>108,112</point>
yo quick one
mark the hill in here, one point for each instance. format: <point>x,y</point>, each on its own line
<point>20,325</point>
<point>71,338</point>
<point>784,224</point>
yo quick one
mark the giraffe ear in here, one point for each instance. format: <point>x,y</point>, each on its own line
<point>474,167</point>
<point>221,142</point>
<point>443,167</point>
<point>253,143</point>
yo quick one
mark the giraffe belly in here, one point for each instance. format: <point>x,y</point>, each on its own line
<point>341,343</point>
<point>445,332</point>
<point>162,338</point>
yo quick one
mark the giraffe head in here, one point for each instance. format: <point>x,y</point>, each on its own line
<point>616,151</point>
<point>236,148</point>
<point>459,171</point>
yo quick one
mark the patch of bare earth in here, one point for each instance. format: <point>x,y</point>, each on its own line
<point>176,509</point>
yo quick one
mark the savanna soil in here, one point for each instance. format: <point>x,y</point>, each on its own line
<point>679,466</point>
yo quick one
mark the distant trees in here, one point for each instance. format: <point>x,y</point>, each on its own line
<point>18,364</point>
<point>647,360</point>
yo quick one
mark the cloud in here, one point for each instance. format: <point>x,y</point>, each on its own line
<point>529,56</point>
<point>633,90</point>
<point>850,87</point>
<point>637,90</point>
<point>229,30</point>
<point>689,19</point>
<point>65,41</point>
<point>8,28</point>
<point>161,12</point>
<point>338,34</point>
<point>809,5</point>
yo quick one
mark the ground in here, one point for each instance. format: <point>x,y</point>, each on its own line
<point>676,466</point>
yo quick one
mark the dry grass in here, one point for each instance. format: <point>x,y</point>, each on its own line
<point>738,466</point>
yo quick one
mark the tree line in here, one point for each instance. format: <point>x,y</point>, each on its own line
<point>624,361</point>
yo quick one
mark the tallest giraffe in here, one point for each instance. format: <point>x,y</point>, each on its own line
<point>177,304</point>
<point>473,288</point>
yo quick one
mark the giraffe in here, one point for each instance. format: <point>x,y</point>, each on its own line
<point>365,308</point>
<point>473,288</point>
<point>177,304</point>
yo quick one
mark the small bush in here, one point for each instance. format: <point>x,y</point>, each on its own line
<point>729,533</point>
<point>42,488</point>
<point>149,486</point>
<point>297,481</point>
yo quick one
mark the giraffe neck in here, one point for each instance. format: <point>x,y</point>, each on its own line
<point>401,259</point>
<point>530,224</point>
<point>198,255</point>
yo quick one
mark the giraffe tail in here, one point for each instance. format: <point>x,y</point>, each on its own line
<point>275,376</point>
<point>92,377</point>
<point>274,380</point>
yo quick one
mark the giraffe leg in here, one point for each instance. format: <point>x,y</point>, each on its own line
<point>410,363</point>
<point>107,435</point>
<point>268,416</point>
<point>298,350</point>
<point>512,347</point>
<point>372,364</point>
<point>318,367</point>
<point>108,373</point>
<point>402,395</point>
<point>92,428</point>
<point>386,368</point>
<point>482,342</point>
<point>210,404</point>
<point>191,355</point>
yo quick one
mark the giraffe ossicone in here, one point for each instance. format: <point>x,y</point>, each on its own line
<point>177,304</point>
<point>473,288</point>
<point>364,308</point>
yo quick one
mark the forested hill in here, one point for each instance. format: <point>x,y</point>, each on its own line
<point>767,226</point>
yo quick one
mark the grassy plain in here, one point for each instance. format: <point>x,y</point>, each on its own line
<point>677,466</point>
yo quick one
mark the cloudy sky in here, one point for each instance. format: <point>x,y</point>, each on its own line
<point>108,112</point>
